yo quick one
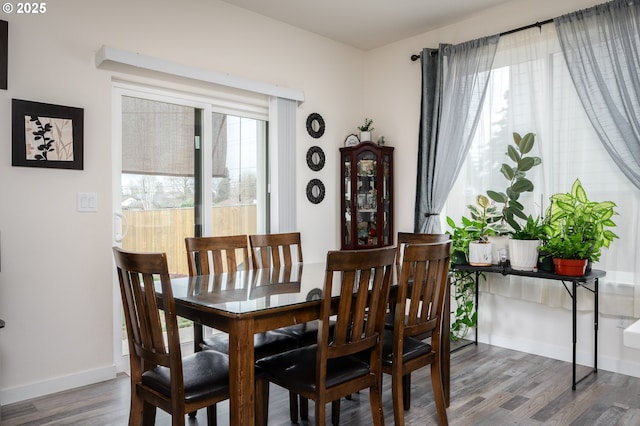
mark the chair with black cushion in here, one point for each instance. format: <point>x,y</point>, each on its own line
<point>419,311</point>
<point>209,255</point>
<point>160,376</point>
<point>333,367</point>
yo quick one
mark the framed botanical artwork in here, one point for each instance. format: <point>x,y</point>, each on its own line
<point>46,135</point>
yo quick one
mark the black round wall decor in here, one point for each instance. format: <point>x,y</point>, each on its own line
<point>315,191</point>
<point>315,125</point>
<point>315,158</point>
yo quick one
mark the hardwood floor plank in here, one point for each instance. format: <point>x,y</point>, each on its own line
<point>489,386</point>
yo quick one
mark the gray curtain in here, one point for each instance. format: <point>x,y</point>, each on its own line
<point>454,83</point>
<point>601,46</point>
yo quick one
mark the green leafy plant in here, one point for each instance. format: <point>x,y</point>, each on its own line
<point>367,126</point>
<point>485,219</point>
<point>461,236</point>
<point>577,226</point>
<point>515,173</point>
<point>465,316</point>
<point>533,229</point>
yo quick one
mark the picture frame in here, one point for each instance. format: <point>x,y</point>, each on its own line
<point>4,54</point>
<point>46,135</point>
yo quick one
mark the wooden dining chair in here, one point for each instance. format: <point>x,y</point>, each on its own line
<point>209,255</point>
<point>160,376</point>
<point>331,368</point>
<point>419,311</point>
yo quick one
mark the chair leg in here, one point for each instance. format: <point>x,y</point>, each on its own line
<point>397,394</point>
<point>375,399</point>
<point>438,393</point>
<point>293,407</point>
<point>304,408</point>
<point>148,414</point>
<point>406,391</point>
<point>212,417</point>
<point>262,401</point>
<point>320,412</point>
<point>335,412</point>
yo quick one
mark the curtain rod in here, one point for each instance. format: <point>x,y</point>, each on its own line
<point>415,57</point>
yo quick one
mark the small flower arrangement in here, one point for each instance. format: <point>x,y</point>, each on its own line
<point>367,126</point>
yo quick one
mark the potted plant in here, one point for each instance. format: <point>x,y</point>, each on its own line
<point>577,227</point>
<point>365,130</point>
<point>517,183</point>
<point>483,215</point>
<point>460,239</point>
<point>524,243</point>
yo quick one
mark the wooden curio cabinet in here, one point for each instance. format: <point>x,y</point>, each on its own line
<point>367,199</point>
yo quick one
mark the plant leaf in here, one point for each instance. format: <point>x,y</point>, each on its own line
<point>527,143</point>
<point>498,197</point>
<point>513,154</point>
<point>526,163</point>
<point>522,185</point>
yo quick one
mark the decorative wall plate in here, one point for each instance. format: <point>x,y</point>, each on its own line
<point>315,125</point>
<point>315,158</point>
<point>352,140</point>
<point>315,191</point>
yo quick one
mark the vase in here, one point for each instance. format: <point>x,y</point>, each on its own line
<point>479,253</point>
<point>499,248</point>
<point>523,254</point>
<point>570,267</point>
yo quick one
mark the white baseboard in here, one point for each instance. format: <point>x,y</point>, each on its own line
<point>58,384</point>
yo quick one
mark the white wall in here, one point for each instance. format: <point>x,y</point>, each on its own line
<point>56,286</point>
<point>392,98</point>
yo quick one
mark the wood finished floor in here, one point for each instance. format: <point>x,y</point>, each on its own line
<point>490,386</point>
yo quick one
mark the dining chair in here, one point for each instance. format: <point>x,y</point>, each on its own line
<point>281,250</point>
<point>160,376</point>
<point>419,311</point>
<point>209,255</point>
<point>331,368</point>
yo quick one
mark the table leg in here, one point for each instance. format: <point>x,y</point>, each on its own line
<point>241,373</point>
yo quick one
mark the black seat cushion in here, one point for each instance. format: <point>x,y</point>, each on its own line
<point>298,368</point>
<point>205,373</point>
<point>411,348</point>
<point>306,333</point>
<point>264,344</point>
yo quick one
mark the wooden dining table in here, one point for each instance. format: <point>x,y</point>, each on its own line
<point>253,301</point>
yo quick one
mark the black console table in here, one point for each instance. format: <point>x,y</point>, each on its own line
<point>591,277</point>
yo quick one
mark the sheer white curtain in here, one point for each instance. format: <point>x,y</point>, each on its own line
<point>531,91</point>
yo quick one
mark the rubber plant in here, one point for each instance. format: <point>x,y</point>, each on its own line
<point>516,175</point>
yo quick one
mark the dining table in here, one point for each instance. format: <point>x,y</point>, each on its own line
<point>252,301</point>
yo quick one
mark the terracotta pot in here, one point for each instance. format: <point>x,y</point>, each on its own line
<point>570,267</point>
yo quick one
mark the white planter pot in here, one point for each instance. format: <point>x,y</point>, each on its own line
<point>479,254</point>
<point>499,247</point>
<point>523,254</point>
<point>365,136</point>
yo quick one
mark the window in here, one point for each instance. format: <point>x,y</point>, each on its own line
<point>531,91</point>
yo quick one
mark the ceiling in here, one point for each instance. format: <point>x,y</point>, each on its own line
<point>366,24</point>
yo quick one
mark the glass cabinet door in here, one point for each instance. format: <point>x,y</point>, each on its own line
<point>367,199</point>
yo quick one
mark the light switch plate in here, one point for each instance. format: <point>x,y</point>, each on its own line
<point>87,201</point>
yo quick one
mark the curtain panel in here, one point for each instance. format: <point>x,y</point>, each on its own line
<point>454,83</point>
<point>601,47</point>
